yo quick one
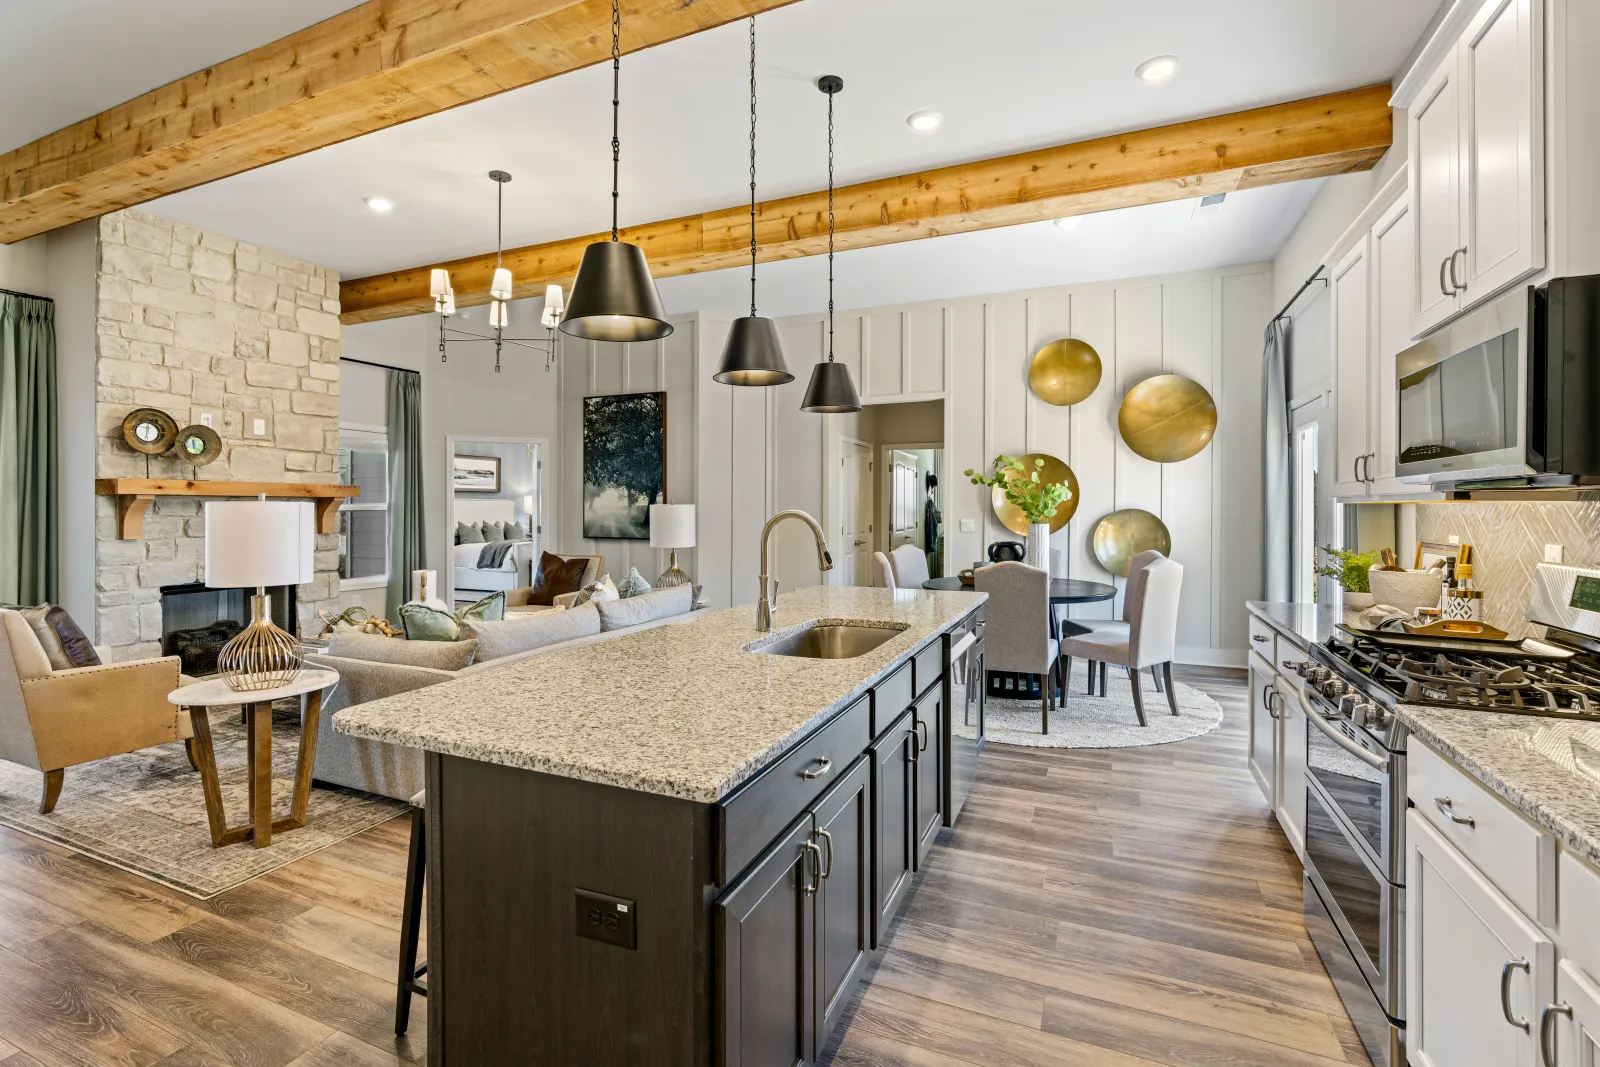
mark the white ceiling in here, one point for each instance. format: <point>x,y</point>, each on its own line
<point>64,60</point>
<point>1010,75</point>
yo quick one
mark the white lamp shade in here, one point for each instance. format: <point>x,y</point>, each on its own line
<point>438,282</point>
<point>671,525</point>
<point>500,287</point>
<point>499,314</point>
<point>259,542</point>
<point>554,305</point>
<point>527,504</point>
<point>449,306</point>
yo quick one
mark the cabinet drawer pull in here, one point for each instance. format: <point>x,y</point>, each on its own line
<point>1547,1050</point>
<point>1505,991</point>
<point>1446,808</point>
<point>827,838</point>
<point>1260,639</point>
<point>808,850</point>
<point>824,765</point>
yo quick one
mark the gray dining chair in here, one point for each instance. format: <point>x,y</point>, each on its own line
<point>1016,634</point>
<point>910,565</point>
<point>1151,637</point>
<point>1119,627</point>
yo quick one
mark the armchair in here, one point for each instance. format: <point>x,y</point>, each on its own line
<point>54,719</point>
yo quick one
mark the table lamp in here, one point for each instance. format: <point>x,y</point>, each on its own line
<point>259,543</point>
<point>672,526</point>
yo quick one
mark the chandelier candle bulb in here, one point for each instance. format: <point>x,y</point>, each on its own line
<point>498,315</point>
<point>448,306</point>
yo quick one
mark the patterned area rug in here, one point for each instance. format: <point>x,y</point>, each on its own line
<point>1096,721</point>
<point>145,811</point>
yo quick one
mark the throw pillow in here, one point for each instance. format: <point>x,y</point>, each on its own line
<point>493,531</point>
<point>601,588</point>
<point>647,607</point>
<point>439,655</point>
<point>515,531</point>
<point>64,644</point>
<point>523,633</point>
<point>469,533</point>
<point>556,576</point>
<point>492,606</point>
<point>633,584</point>
<point>424,623</point>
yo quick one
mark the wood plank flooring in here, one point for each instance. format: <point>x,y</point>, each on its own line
<point>1119,908</point>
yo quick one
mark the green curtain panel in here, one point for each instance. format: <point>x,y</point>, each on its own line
<point>28,563</point>
<point>406,525</point>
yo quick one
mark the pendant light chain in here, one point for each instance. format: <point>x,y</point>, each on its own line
<point>616,111</point>
<point>752,166</point>
<point>830,227</point>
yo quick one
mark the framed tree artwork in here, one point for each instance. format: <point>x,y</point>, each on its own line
<point>624,463</point>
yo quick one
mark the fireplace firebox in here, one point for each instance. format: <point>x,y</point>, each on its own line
<point>196,621</point>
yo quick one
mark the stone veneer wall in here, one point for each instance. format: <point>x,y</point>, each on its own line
<point>190,322</point>
<point>1508,542</point>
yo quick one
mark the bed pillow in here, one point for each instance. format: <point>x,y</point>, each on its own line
<point>515,531</point>
<point>469,533</point>
<point>633,585</point>
<point>425,623</point>
<point>440,655</point>
<point>646,607</point>
<point>556,576</point>
<point>494,531</point>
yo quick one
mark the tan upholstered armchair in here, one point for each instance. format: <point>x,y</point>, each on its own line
<point>51,720</point>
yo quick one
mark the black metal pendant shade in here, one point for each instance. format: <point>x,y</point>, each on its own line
<point>614,297</point>
<point>753,354</point>
<point>831,391</point>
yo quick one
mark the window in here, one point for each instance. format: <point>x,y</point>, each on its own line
<point>364,520</point>
<point>1303,459</point>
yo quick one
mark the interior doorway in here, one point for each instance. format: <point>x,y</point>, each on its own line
<point>495,484</point>
<point>913,512</point>
<point>1311,496</point>
<point>853,514</point>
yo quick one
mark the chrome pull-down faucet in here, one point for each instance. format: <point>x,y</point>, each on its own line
<point>769,585</point>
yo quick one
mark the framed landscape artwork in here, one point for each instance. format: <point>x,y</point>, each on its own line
<point>476,474</point>
<point>624,463</point>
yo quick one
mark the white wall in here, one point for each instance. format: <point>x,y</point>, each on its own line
<point>70,256</point>
<point>24,266</point>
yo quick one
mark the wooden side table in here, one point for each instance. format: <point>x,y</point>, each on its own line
<point>201,697</point>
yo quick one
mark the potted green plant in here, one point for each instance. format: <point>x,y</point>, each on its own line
<point>1037,499</point>
<point>1350,569</point>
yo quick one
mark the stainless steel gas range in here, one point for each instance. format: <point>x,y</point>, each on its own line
<point>1355,849</point>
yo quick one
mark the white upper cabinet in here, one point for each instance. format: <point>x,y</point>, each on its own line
<point>1352,371</point>
<point>1393,298</point>
<point>1477,163</point>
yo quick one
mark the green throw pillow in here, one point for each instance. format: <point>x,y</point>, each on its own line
<point>491,608</point>
<point>423,623</point>
<point>469,533</point>
<point>633,585</point>
<point>515,531</point>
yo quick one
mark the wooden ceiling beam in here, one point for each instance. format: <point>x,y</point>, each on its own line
<point>1323,136</point>
<point>377,65</point>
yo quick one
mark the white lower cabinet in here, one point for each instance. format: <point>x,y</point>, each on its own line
<point>1478,972</point>
<point>1291,804</point>
<point>1264,703</point>
<point>1569,1031</point>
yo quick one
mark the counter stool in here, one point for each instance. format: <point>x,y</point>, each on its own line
<point>411,917</point>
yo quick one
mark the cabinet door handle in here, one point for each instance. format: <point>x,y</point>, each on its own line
<point>1505,991</point>
<point>911,732</point>
<point>1355,468</point>
<point>1457,285</point>
<point>922,734</point>
<point>1273,707</point>
<point>1447,808</point>
<point>824,765</point>
<point>808,850</point>
<point>827,839</point>
<point>1366,467</point>
<point>1443,263</point>
<point>1547,1050</point>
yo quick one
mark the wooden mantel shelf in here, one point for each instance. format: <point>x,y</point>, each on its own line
<point>134,496</point>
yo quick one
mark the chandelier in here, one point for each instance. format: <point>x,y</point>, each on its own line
<point>500,288</point>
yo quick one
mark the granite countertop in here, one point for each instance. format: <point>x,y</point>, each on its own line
<point>1529,760</point>
<point>1304,624</point>
<point>680,710</point>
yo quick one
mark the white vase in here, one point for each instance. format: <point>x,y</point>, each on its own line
<point>1355,601</point>
<point>1039,545</point>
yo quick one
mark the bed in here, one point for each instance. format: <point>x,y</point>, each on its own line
<point>471,580</point>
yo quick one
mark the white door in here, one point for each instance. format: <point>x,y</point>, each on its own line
<point>1435,130</point>
<point>1478,973</point>
<point>1500,67</point>
<point>1291,765</point>
<point>1574,1038</point>
<point>905,503</point>
<point>1263,758</point>
<point>1393,248</point>
<point>1352,378</point>
<point>853,555</point>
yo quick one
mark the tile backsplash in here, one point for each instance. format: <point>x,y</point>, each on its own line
<point>1507,541</point>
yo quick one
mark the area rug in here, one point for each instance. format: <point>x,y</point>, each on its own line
<point>1096,721</point>
<point>145,811</point>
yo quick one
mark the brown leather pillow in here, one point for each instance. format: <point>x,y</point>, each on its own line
<point>64,644</point>
<point>556,576</point>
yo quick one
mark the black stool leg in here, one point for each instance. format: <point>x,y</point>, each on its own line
<point>411,923</point>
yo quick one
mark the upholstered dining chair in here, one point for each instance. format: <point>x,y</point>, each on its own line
<point>54,719</point>
<point>882,571</point>
<point>1016,632</point>
<point>910,565</point>
<point>1119,627</point>
<point>1151,636</point>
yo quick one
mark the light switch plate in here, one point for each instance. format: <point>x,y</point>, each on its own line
<point>207,417</point>
<point>257,427</point>
<point>969,525</point>
<point>1552,553</point>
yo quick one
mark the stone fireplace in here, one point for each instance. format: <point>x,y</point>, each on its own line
<point>215,332</point>
<point>196,621</point>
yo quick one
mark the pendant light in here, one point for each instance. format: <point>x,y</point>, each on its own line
<point>831,391</point>
<point>753,354</point>
<point>614,297</point>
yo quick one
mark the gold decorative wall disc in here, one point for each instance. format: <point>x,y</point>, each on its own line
<point>198,445</point>
<point>1122,535</point>
<point>149,430</point>
<point>1167,418</point>
<point>1064,372</point>
<point>1054,470</point>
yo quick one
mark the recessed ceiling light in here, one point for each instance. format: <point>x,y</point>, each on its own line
<point>1070,222</point>
<point>1208,205</point>
<point>1157,69</point>
<point>924,121</point>
<point>381,204</point>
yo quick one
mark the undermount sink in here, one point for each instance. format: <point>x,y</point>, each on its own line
<point>829,641</point>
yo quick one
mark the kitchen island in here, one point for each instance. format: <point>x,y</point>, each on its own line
<point>670,848</point>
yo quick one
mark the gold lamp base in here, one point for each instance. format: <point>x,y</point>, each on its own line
<point>261,656</point>
<point>672,576</point>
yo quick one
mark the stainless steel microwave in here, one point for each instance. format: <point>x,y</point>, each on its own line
<point>1507,395</point>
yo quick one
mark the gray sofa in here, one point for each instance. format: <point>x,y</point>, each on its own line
<point>372,667</point>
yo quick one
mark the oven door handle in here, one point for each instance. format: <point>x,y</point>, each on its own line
<point>1377,763</point>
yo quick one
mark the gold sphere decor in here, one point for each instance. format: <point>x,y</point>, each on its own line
<point>1054,470</point>
<point>1064,372</point>
<point>1124,534</point>
<point>1167,418</point>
